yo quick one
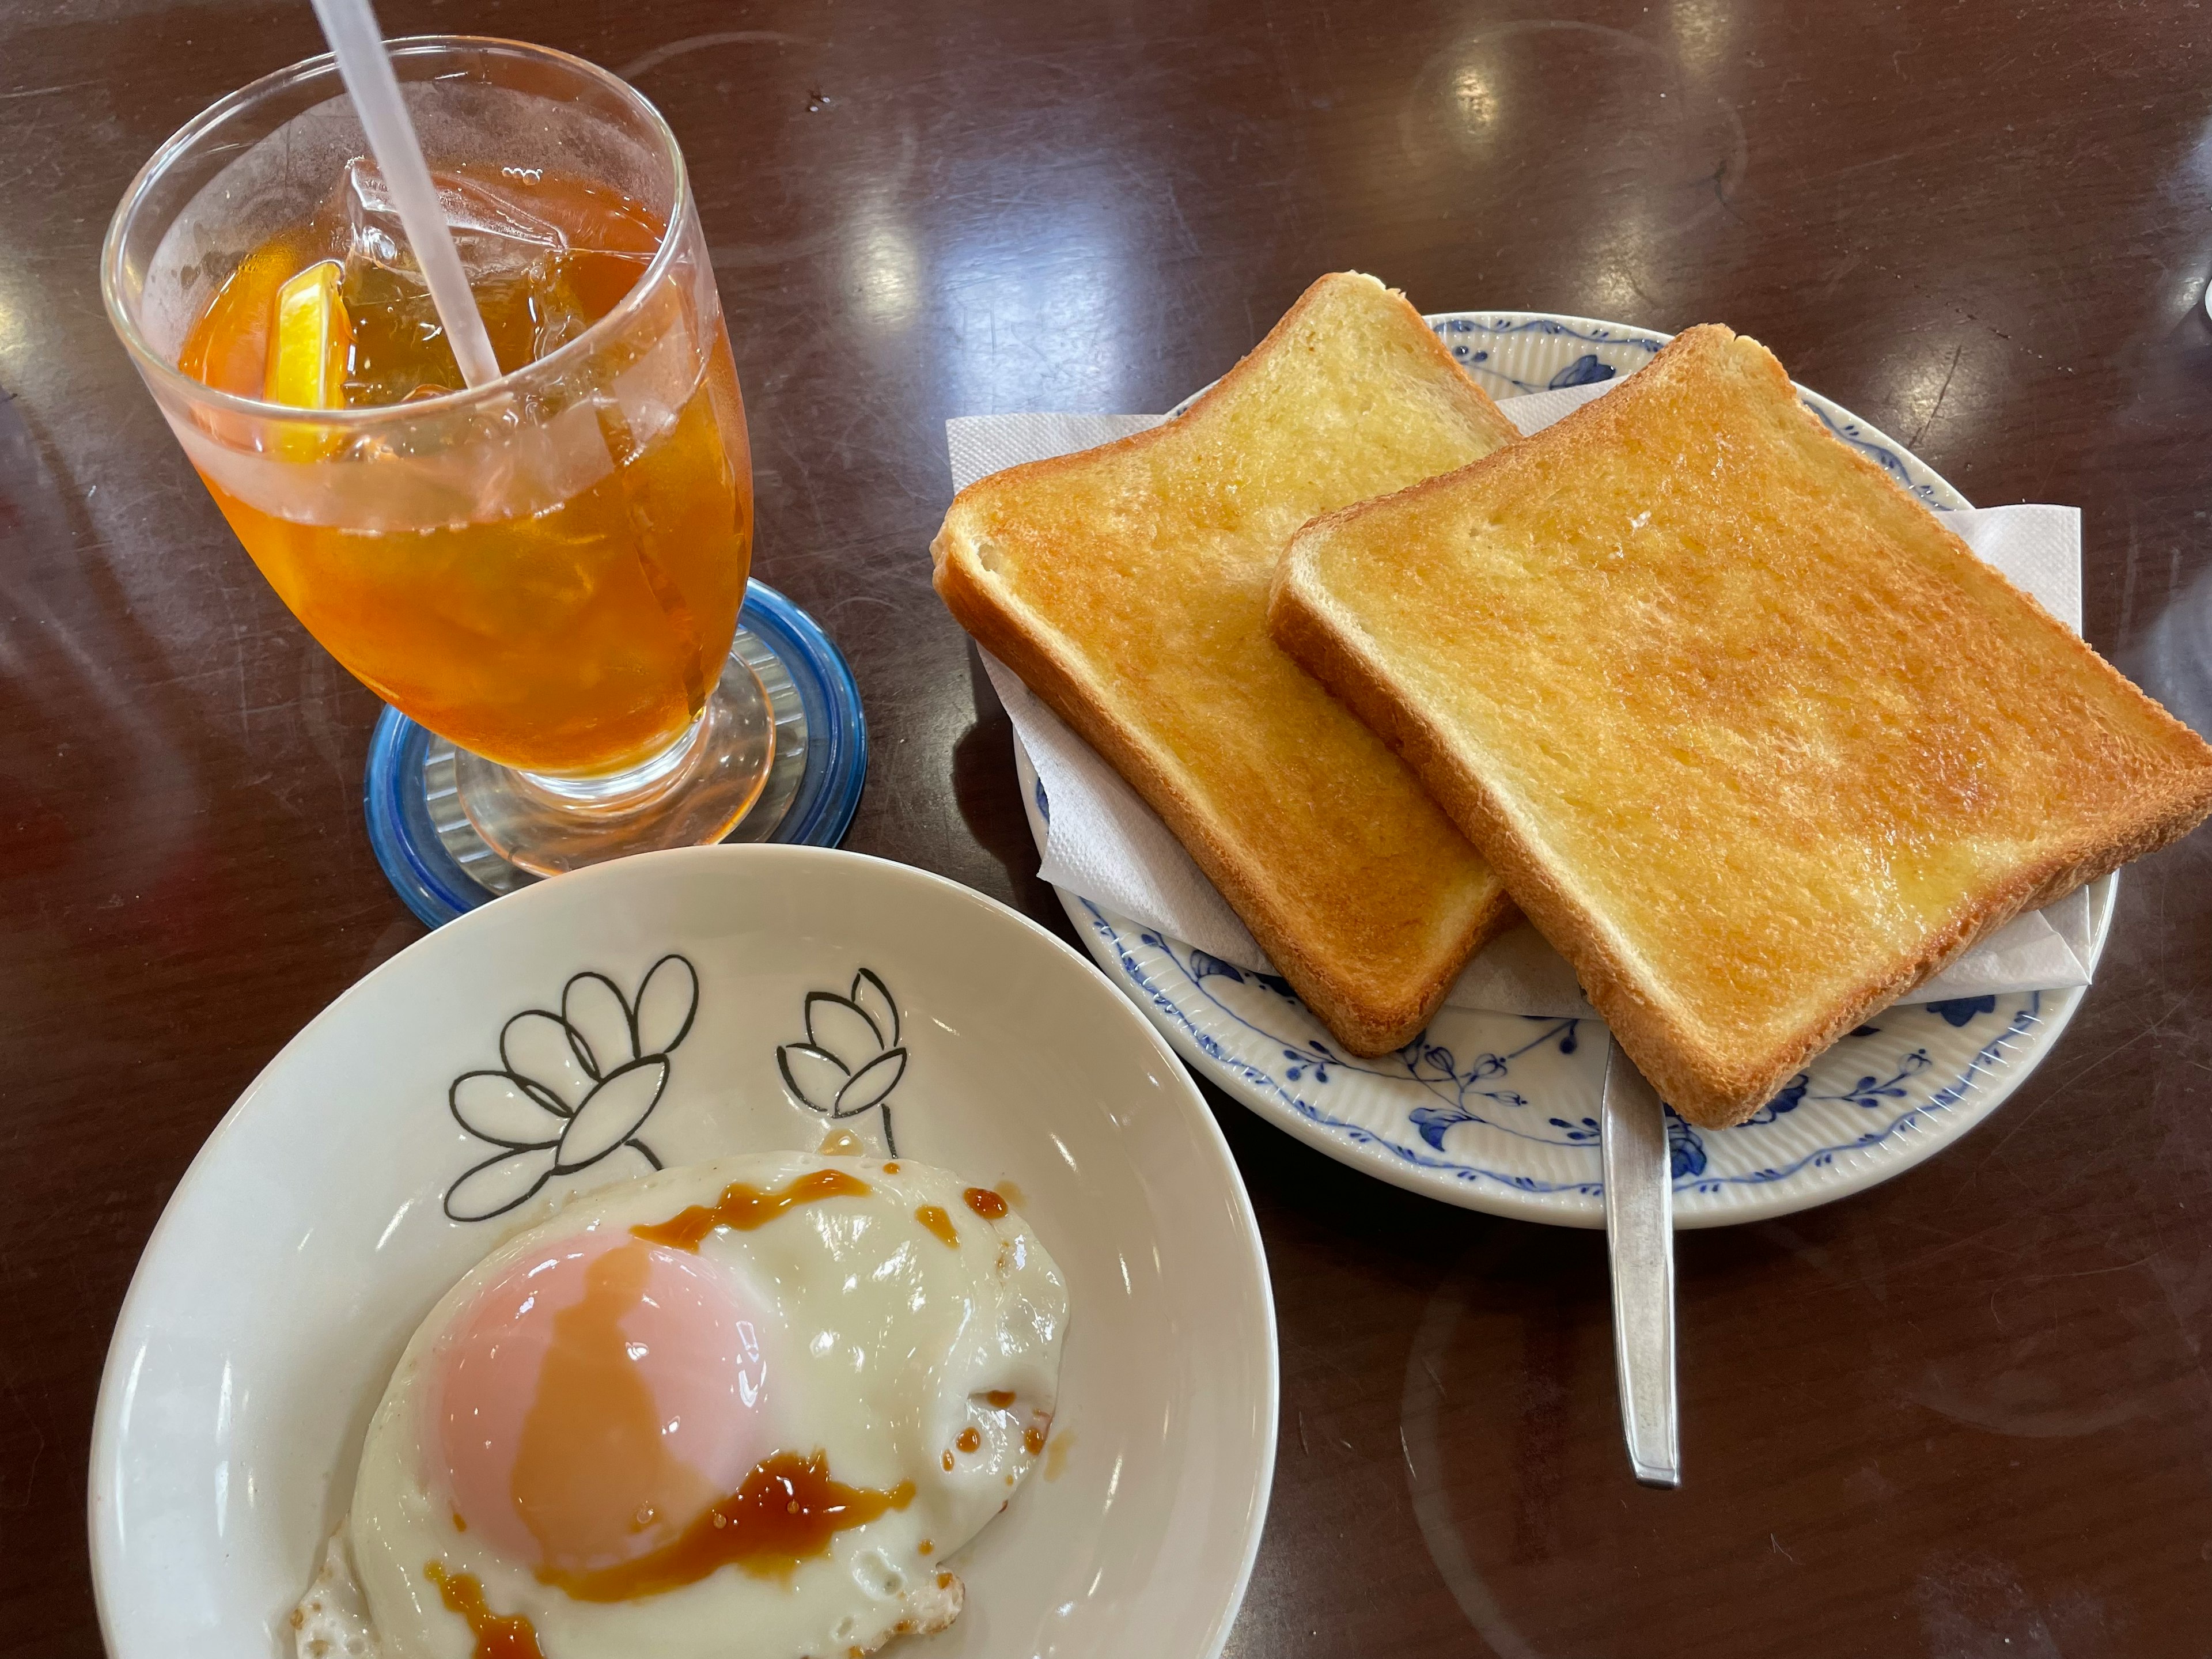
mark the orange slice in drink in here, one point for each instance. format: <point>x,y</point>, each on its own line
<point>308,344</point>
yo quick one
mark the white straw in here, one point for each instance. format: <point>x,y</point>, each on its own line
<point>351,27</point>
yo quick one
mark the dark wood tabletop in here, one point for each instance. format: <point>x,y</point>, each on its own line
<point>1965,1413</point>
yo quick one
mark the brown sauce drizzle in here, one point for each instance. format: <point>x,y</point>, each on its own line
<point>1033,1440</point>
<point>948,1462</point>
<point>924,1548</point>
<point>985,1202</point>
<point>967,1439</point>
<point>744,1207</point>
<point>497,1637</point>
<point>1000,1398</point>
<point>932,1216</point>
<point>788,1510</point>
<point>892,1167</point>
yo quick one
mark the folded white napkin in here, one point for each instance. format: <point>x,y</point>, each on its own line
<point>1104,844</point>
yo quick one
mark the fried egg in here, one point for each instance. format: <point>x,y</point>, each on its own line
<point>749,1407</point>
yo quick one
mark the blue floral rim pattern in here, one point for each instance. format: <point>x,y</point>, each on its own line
<point>1482,344</point>
<point>1901,1096</point>
<point>436,889</point>
<point>1461,332</point>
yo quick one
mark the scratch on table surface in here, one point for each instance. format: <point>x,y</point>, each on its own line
<point>1961,1241</point>
<point>691,43</point>
<point>2093,1272</point>
<point>1860,167</point>
<point>1182,220</point>
<point>46,92</point>
<point>2128,571</point>
<point>38,1451</point>
<point>1942,392</point>
<point>1852,262</point>
<point>2058,1089</point>
<point>1719,182</point>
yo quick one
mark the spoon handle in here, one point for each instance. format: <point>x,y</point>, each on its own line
<point>1639,1235</point>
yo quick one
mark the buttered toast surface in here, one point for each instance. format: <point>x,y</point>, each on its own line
<point>1127,587</point>
<point>1755,741</point>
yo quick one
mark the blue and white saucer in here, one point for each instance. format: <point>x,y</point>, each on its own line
<point>1499,1112</point>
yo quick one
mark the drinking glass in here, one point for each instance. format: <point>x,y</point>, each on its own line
<point>547,570</point>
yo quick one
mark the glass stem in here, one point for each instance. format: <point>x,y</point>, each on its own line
<point>633,785</point>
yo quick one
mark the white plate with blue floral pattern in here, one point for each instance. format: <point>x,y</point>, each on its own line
<point>1499,1112</point>
<point>665,1010</point>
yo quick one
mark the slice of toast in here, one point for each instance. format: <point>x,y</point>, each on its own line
<point>1127,585</point>
<point>1754,739</point>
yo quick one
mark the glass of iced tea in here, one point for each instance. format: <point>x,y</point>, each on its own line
<point>546,569</point>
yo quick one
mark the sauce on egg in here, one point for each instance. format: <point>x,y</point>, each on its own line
<point>498,1636</point>
<point>788,1509</point>
<point>631,1413</point>
<point>985,1202</point>
<point>744,1207</point>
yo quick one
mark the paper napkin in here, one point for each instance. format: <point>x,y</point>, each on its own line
<point>1104,844</point>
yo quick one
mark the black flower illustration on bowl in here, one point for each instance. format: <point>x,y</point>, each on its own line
<point>572,1088</point>
<point>851,1059</point>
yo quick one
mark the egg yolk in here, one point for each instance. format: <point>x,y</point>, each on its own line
<point>595,1399</point>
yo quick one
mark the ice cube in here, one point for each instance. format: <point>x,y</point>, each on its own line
<point>495,234</point>
<point>531,278</point>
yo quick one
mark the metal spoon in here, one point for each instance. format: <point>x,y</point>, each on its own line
<point>1639,1237</point>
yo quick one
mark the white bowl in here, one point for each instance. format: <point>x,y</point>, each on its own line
<point>317,1226</point>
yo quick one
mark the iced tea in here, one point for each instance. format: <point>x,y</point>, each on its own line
<point>568,631</point>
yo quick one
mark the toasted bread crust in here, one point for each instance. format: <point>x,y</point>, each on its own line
<point>1698,1080</point>
<point>1707,1082</point>
<point>1378,994</point>
<point>1366,1019</point>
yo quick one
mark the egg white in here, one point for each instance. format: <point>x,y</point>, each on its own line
<point>881,1343</point>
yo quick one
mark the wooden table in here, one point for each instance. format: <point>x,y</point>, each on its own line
<point>1966,1413</point>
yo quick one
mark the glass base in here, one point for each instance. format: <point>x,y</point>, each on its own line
<point>691,794</point>
<point>438,863</point>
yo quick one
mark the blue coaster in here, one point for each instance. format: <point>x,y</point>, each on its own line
<point>440,866</point>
